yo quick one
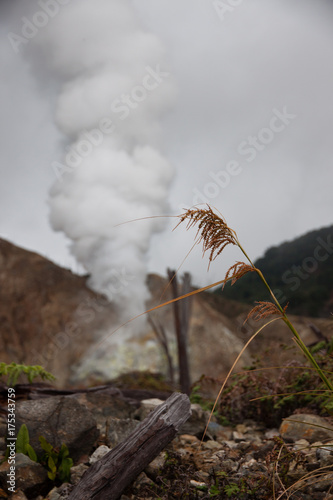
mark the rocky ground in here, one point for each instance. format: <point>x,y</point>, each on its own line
<point>247,461</point>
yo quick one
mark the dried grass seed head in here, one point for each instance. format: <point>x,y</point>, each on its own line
<point>237,271</point>
<point>263,310</point>
<point>213,231</point>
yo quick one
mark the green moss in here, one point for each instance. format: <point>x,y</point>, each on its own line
<point>142,380</point>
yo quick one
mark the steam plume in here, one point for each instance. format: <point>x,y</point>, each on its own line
<point>115,87</point>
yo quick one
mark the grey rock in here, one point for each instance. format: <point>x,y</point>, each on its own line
<point>200,485</point>
<point>231,444</point>
<point>18,495</point>
<point>271,433</point>
<point>147,405</point>
<point>142,480</point>
<point>238,437</point>
<point>119,429</point>
<point>77,472</point>
<point>54,494</point>
<point>154,468</point>
<point>304,426</point>
<point>197,422</point>
<point>253,466</point>
<point>324,450</point>
<point>61,493</point>
<point>263,450</point>
<point>30,477</point>
<point>220,454</point>
<point>243,429</point>
<point>326,461</point>
<point>99,453</point>
<point>301,445</point>
<point>219,432</point>
<point>296,474</point>
<point>296,471</point>
<point>188,438</point>
<point>324,484</point>
<point>107,403</point>
<point>60,419</point>
<point>212,445</point>
<point>243,446</point>
<point>229,465</point>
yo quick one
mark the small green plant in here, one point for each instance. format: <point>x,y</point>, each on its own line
<point>197,398</point>
<point>263,395</point>
<point>257,485</point>
<point>214,491</point>
<point>231,489</point>
<point>23,445</point>
<point>13,370</point>
<point>56,461</point>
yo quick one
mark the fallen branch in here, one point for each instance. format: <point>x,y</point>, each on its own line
<point>108,477</point>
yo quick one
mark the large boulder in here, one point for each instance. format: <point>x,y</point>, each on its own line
<point>30,477</point>
<point>306,426</point>
<point>59,419</point>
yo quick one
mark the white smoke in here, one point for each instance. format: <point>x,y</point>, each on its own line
<point>115,87</point>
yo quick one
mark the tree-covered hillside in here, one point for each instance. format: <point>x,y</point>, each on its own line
<point>299,272</point>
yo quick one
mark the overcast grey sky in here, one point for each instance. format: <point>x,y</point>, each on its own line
<point>248,128</point>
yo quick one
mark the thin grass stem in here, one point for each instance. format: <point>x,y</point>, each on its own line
<point>232,369</point>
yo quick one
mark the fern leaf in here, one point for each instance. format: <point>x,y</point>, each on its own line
<point>22,440</point>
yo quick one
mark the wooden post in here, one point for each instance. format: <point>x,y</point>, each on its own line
<point>181,325</point>
<point>108,477</point>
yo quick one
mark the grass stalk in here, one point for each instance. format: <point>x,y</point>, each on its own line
<point>215,235</point>
<point>296,335</point>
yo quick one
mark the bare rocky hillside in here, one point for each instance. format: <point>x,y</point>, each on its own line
<point>50,317</point>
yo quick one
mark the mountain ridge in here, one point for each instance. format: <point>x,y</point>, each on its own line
<point>299,271</point>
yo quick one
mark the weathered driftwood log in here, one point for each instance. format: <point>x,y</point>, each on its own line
<point>108,477</point>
